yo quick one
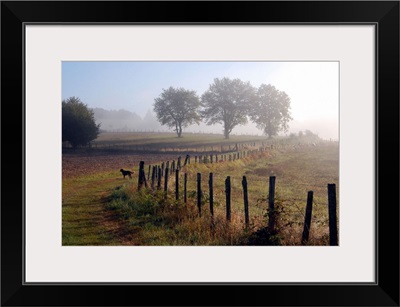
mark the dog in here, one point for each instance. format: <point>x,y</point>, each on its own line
<point>126,173</point>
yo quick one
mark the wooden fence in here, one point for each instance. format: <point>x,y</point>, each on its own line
<point>167,169</point>
<point>203,149</point>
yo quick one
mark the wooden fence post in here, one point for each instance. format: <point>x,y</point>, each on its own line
<point>246,201</point>
<point>166,182</point>
<point>186,160</point>
<point>228,197</point>
<point>173,166</point>
<point>271,204</point>
<point>140,181</point>
<point>148,174</point>
<point>210,186</point>
<point>153,177</point>
<point>159,178</point>
<point>307,219</point>
<point>177,184</point>
<point>184,188</point>
<point>178,167</point>
<point>142,176</point>
<point>199,192</point>
<point>333,235</point>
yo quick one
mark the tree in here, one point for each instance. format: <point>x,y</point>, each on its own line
<point>177,108</point>
<point>78,124</point>
<point>227,102</point>
<point>271,111</point>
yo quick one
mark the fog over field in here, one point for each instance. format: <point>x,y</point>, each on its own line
<point>126,121</point>
<point>122,94</point>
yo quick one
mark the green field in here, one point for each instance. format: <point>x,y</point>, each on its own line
<point>102,208</point>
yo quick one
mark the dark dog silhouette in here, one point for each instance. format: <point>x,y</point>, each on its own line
<point>126,173</point>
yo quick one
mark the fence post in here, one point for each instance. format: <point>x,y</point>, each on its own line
<point>177,184</point>
<point>159,178</point>
<point>199,192</point>
<point>142,175</point>
<point>153,177</point>
<point>162,169</point>
<point>210,186</point>
<point>228,197</point>
<point>186,160</point>
<point>246,201</point>
<point>184,188</point>
<point>148,174</point>
<point>140,181</point>
<point>179,163</point>
<point>166,181</point>
<point>271,204</point>
<point>333,236</point>
<point>307,218</point>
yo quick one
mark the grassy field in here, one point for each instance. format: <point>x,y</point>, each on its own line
<point>168,142</point>
<point>102,208</point>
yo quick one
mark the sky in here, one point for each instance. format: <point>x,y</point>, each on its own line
<point>313,87</point>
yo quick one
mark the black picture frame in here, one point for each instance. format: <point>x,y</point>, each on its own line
<point>383,14</point>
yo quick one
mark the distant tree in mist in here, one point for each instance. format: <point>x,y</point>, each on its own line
<point>177,108</point>
<point>228,102</point>
<point>271,110</point>
<point>78,123</point>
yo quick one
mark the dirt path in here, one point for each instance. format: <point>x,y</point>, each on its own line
<point>85,218</point>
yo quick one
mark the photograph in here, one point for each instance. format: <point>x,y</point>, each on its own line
<point>200,153</point>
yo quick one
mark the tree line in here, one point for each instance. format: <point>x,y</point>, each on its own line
<point>230,102</point>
